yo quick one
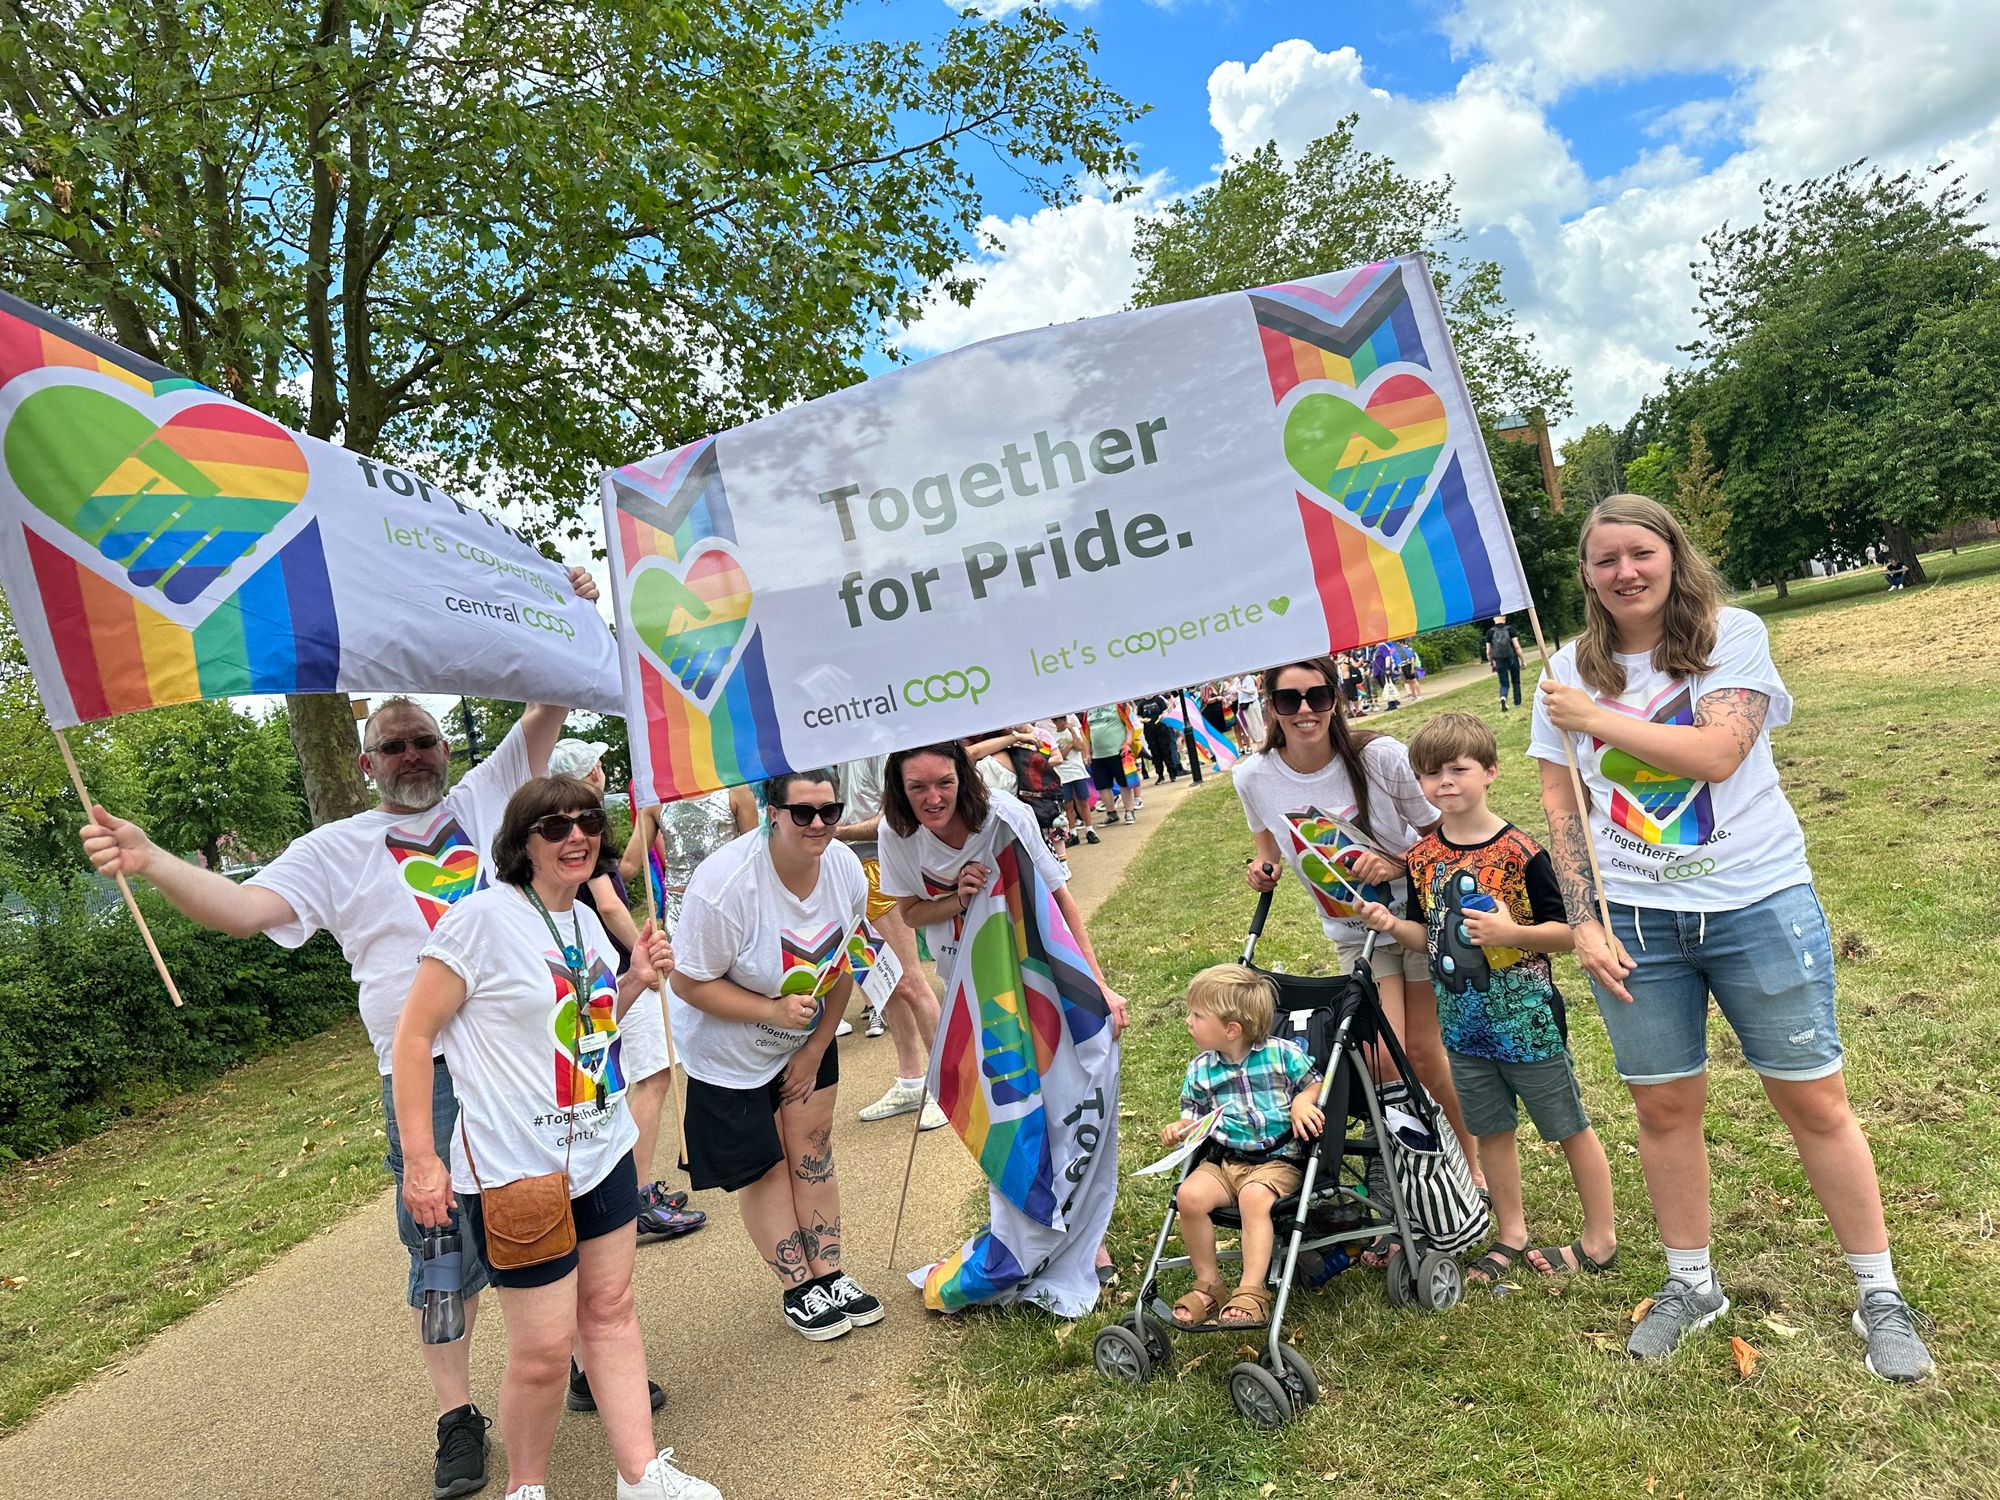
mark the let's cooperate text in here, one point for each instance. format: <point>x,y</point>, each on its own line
<point>935,504</point>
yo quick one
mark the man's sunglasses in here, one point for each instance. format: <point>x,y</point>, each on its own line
<point>414,742</point>
<point>1290,700</point>
<point>803,813</point>
<point>556,826</point>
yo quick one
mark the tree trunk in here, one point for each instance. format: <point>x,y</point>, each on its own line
<point>324,738</point>
<point>1904,551</point>
<point>1784,589</point>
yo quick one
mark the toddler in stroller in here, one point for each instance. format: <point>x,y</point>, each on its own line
<point>1423,1196</point>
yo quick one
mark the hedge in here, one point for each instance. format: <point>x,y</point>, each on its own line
<point>87,1033</point>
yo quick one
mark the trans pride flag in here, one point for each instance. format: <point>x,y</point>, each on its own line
<point>1026,1069</point>
<point>1218,746</point>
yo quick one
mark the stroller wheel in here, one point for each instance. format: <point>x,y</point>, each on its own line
<point>1158,1349</point>
<point>1300,1382</point>
<point>1260,1396</point>
<point>1439,1282</point>
<point>1400,1283</point>
<point>1120,1354</point>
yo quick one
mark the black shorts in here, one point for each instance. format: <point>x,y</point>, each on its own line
<point>1107,772</point>
<point>732,1134</point>
<point>609,1206</point>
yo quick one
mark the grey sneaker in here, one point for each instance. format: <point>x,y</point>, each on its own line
<point>1678,1310</point>
<point>1895,1350</point>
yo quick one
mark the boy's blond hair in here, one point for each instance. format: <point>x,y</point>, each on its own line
<point>1232,992</point>
<point>1451,737</point>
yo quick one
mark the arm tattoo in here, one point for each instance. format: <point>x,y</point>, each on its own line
<point>1569,847</point>
<point>816,1161</point>
<point>1740,710</point>
<point>788,1258</point>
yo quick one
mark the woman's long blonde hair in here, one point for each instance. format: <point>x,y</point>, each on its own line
<point>1687,628</point>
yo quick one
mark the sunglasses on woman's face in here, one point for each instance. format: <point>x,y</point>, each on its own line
<point>556,826</point>
<point>1289,700</point>
<point>803,813</point>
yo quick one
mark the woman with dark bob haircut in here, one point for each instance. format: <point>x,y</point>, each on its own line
<point>759,990</point>
<point>516,977</point>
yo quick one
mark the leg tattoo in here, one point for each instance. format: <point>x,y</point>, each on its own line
<point>816,1162</point>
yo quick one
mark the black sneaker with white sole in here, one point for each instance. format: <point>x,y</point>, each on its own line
<point>580,1399</point>
<point>861,1308</point>
<point>461,1453</point>
<point>812,1310</point>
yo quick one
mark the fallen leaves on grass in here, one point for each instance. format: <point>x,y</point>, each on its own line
<point>1639,1313</point>
<point>1781,1328</point>
<point>1745,1356</point>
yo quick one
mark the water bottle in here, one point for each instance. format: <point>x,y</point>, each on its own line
<point>444,1302</point>
<point>1315,1269</point>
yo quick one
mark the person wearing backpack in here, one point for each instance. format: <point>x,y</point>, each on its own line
<point>1503,653</point>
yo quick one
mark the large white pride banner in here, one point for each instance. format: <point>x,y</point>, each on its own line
<point>1053,520</point>
<point>160,543</point>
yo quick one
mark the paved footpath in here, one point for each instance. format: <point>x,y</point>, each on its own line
<point>303,1381</point>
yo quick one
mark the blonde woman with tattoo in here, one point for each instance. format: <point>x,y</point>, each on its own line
<point>1668,700</point>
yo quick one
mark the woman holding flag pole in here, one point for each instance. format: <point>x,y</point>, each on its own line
<point>1341,808</point>
<point>760,983</point>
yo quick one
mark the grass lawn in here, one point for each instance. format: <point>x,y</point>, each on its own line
<point>1893,762</point>
<point>110,1241</point>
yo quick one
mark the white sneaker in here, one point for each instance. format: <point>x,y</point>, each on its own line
<point>1131,815</point>
<point>536,1492</point>
<point>898,1101</point>
<point>845,1028</point>
<point>933,1117</point>
<point>662,1481</point>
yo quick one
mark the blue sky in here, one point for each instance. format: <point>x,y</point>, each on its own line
<point>1593,142</point>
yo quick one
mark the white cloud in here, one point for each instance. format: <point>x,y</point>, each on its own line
<point>1054,266</point>
<point>1492,140</point>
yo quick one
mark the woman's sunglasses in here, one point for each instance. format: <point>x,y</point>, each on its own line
<point>803,813</point>
<point>556,826</point>
<point>1289,700</point>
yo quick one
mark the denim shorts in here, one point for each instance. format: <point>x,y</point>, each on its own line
<point>473,1276</point>
<point>1769,966</point>
<point>1488,1088</point>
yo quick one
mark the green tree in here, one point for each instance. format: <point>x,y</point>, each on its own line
<point>1815,322</point>
<point>519,239</point>
<point>1544,536</point>
<point>206,776</point>
<point>1590,467</point>
<point>1652,473</point>
<point>1267,220</point>
<point>1699,502</point>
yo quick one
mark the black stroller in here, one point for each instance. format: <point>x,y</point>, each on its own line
<point>1333,1018</point>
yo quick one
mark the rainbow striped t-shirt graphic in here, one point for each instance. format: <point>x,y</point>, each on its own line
<point>1657,807</point>
<point>440,864</point>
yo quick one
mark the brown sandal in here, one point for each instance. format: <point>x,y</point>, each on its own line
<point>1200,1303</point>
<point>1255,1300</point>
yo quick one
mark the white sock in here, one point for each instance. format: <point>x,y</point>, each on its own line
<point>1873,1273</point>
<point>1690,1267</point>
<point>906,1084</point>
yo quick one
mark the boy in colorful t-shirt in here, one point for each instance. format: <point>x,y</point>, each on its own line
<point>1485,906</point>
<point>1264,1086</point>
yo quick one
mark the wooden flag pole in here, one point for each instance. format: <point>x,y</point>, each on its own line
<point>124,886</point>
<point>660,988</point>
<point>1575,772</point>
<point>909,1166</point>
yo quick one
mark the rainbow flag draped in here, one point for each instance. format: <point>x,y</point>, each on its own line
<point>1217,746</point>
<point>698,701</point>
<point>1027,1071</point>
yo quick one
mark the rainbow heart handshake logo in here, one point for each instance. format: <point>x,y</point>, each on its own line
<point>173,493</point>
<point>439,864</point>
<point>1658,807</point>
<point>693,620</point>
<point>1376,452</point>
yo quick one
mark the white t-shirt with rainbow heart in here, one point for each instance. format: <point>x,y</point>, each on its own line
<point>1291,807</point>
<point>738,921</point>
<point>381,881</point>
<point>539,1081</point>
<point>1672,841</point>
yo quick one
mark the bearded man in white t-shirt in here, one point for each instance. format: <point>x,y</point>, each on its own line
<point>379,881</point>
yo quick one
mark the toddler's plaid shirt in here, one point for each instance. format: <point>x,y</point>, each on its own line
<point>1255,1094</point>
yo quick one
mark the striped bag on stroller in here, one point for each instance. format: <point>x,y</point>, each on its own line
<point>1445,1208</point>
